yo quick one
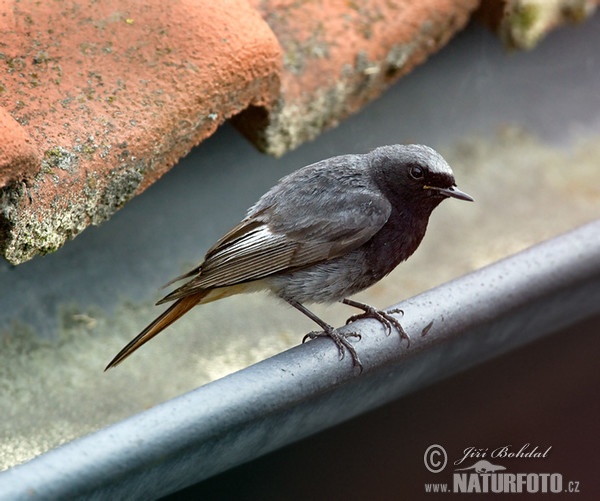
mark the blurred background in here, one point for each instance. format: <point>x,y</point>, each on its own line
<point>521,131</point>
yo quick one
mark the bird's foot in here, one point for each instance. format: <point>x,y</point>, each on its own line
<point>341,341</point>
<point>386,318</point>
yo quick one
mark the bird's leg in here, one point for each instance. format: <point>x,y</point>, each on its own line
<point>340,339</point>
<point>383,317</point>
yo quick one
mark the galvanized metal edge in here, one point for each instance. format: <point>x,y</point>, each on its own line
<point>307,389</point>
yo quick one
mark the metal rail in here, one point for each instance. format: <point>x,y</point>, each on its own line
<point>307,389</point>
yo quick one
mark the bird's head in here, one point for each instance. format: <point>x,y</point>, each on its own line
<point>415,174</point>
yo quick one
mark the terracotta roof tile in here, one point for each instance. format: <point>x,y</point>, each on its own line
<point>99,99</point>
<point>109,97</point>
<point>339,55</point>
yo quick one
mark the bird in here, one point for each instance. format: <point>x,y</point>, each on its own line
<point>321,234</point>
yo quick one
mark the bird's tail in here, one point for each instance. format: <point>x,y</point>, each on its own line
<point>179,308</point>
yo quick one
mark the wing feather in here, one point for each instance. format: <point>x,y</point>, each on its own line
<point>287,229</point>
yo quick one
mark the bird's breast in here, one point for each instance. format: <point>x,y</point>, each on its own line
<point>395,242</point>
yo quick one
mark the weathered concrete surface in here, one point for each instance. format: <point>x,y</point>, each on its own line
<point>98,100</point>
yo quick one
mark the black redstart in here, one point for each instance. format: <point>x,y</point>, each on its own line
<point>321,234</point>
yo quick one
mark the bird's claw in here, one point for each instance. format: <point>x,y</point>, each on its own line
<point>384,317</point>
<point>341,341</point>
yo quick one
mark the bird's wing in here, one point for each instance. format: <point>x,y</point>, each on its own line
<point>290,231</point>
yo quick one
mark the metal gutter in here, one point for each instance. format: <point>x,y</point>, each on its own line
<point>307,389</point>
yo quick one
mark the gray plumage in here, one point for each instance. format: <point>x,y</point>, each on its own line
<point>322,233</point>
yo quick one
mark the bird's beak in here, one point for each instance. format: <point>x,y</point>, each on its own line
<point>453,192</point>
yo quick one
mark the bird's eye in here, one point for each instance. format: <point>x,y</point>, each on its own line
<point>416,172</point>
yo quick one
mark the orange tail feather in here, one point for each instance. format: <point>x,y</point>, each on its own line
<point>179,308</point>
